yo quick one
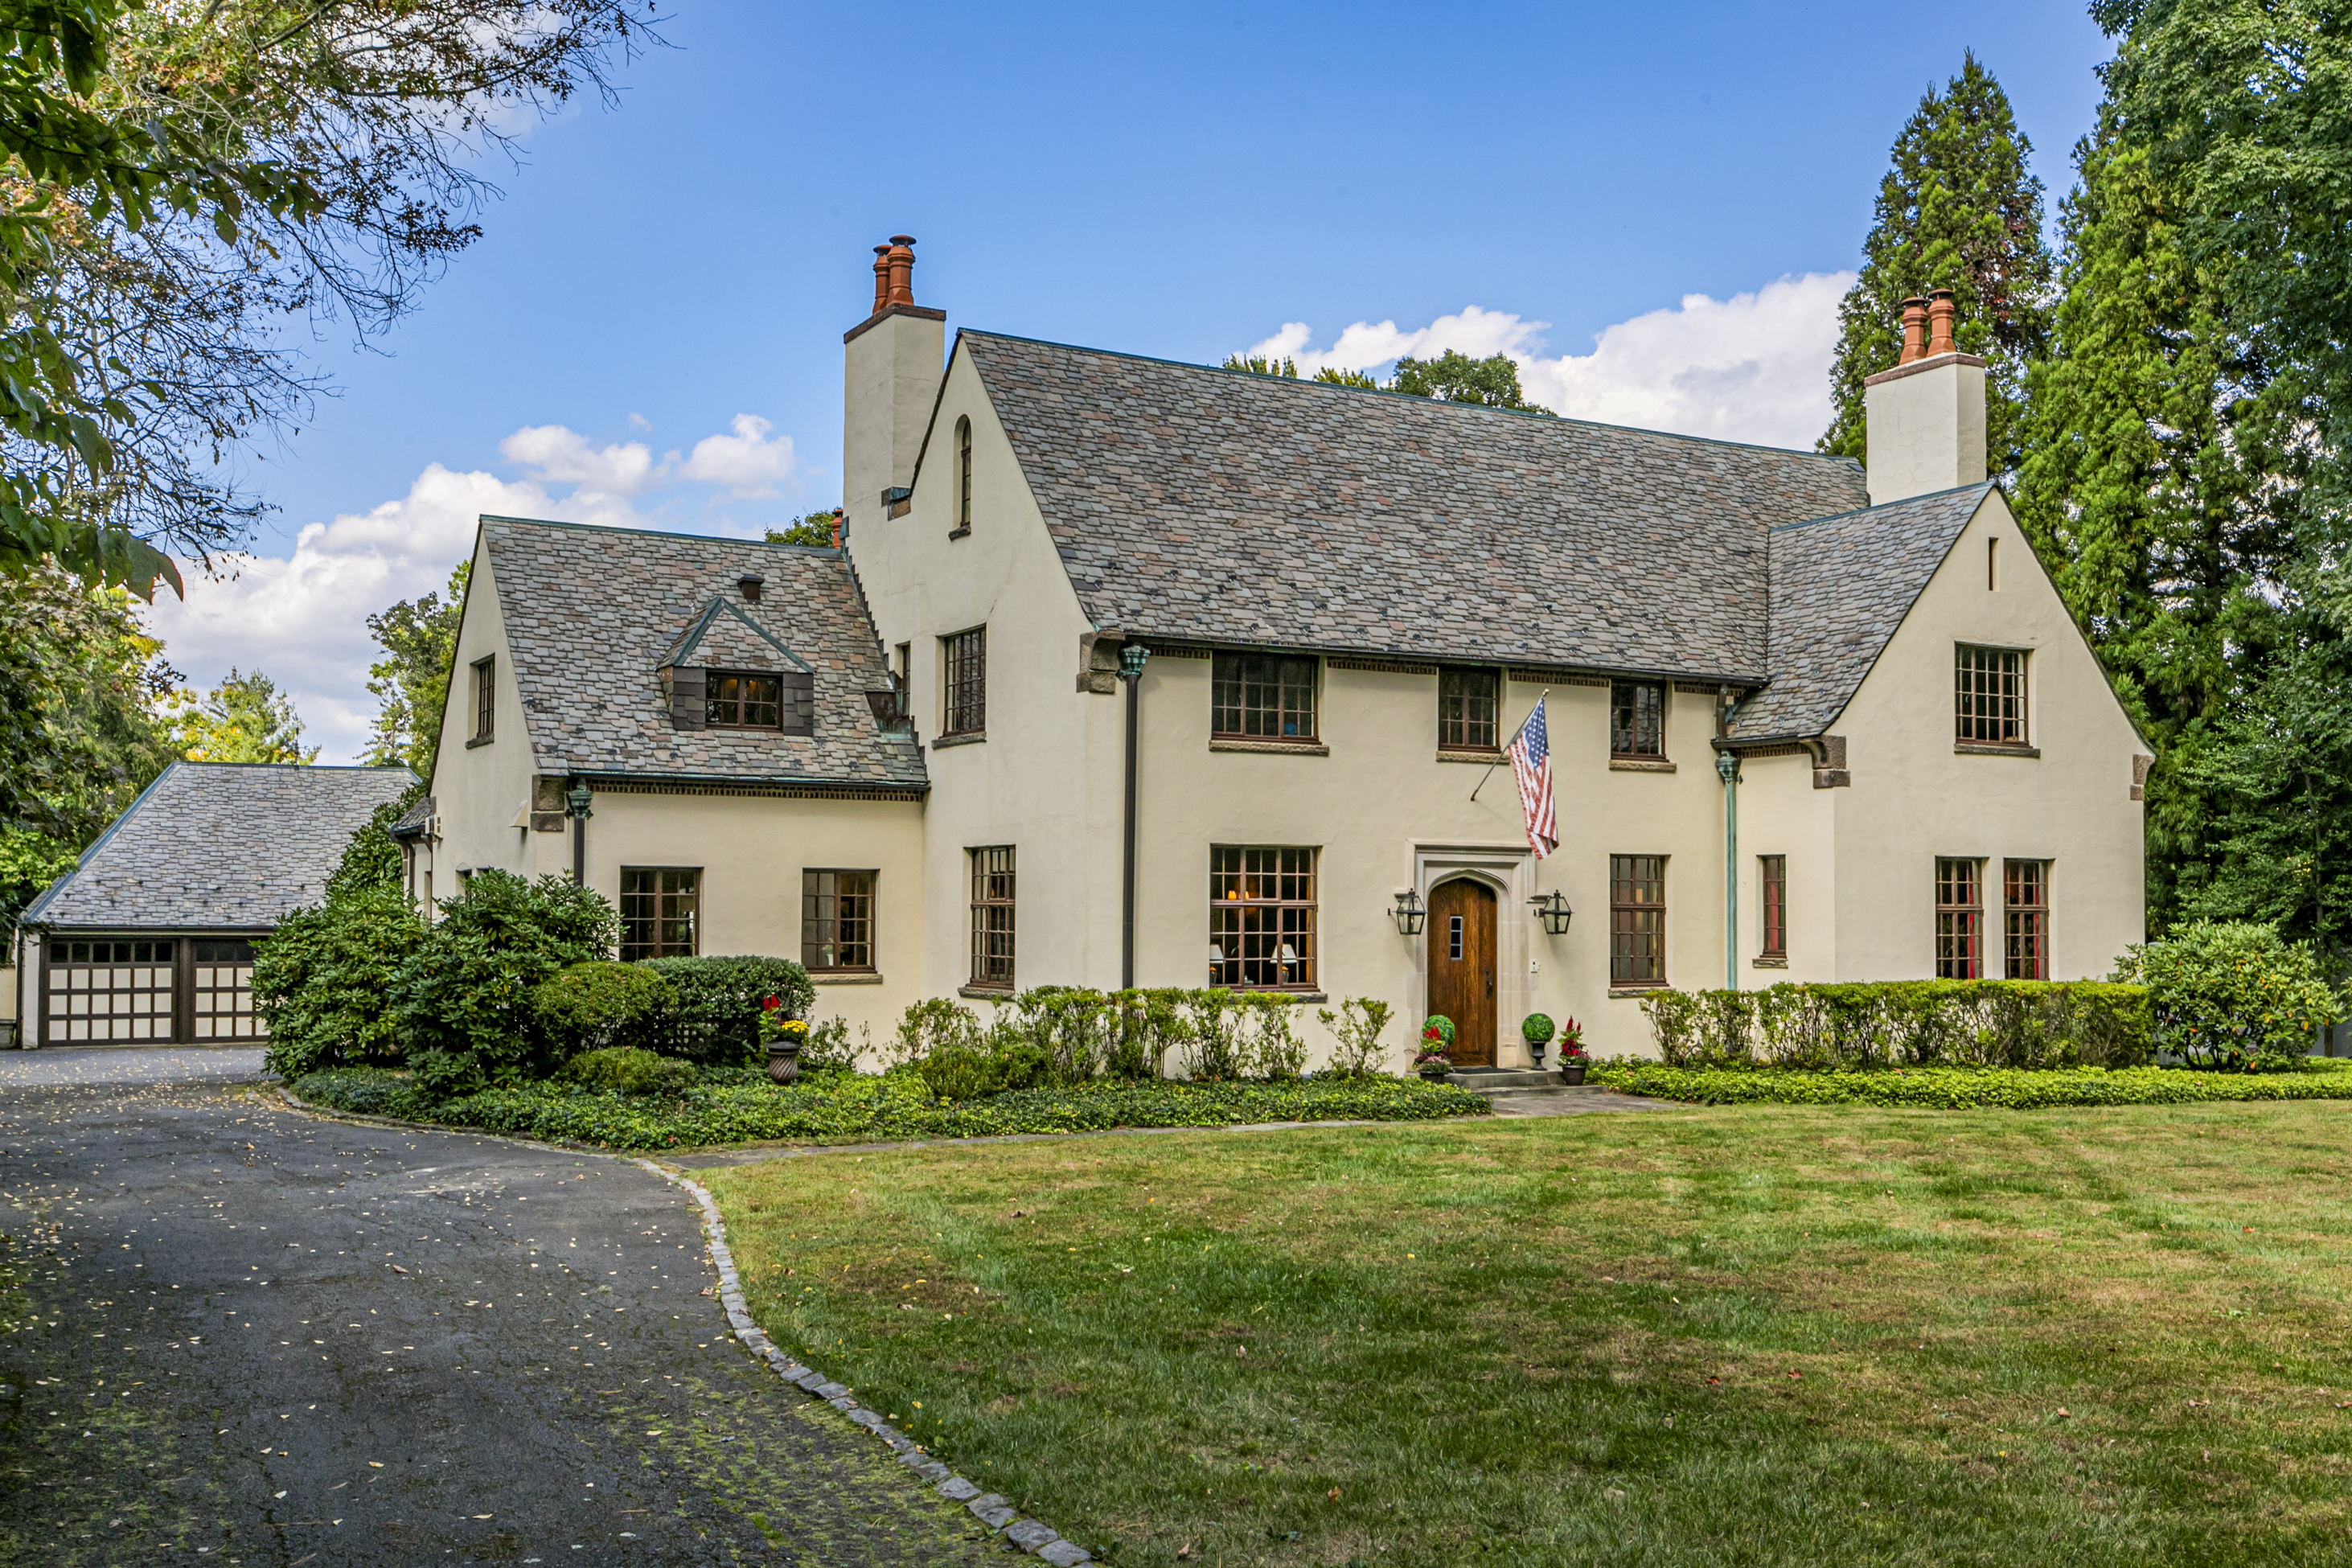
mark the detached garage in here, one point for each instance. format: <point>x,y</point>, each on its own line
<point>149,940</point>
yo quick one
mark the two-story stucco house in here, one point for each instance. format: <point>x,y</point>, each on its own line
<point>1136,672</point>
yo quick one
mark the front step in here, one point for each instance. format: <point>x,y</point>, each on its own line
<point>1504,1081</point>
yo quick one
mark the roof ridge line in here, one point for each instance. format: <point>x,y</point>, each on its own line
<point>486,517</point>
<point>1384,391</point>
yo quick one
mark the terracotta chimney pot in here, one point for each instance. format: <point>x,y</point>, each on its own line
<point>881,278</point>
<point>1915,330</point>
<point>902,269</point>
<point>1941,311</point>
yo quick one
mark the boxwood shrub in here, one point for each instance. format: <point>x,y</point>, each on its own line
<point>2030,1024</point>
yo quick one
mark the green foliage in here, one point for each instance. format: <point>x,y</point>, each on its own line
<point>1957,210</point>
<point>816,527</point>
<point>739,1105</point>
<point>1152,1026</point>
<point>1356,1027</point>
<point>828,1049</point>
<point>2026,1023</point>
<point>1255,366</point>
<point>1271,1049</point>
<point>463,1001</point>
<point>586,1007</point>
<point>626,1069</point>
<point>716,1020</point>
<point>411,682</point>
<point>2226,993</point>
<point>1332,375</point>
<point>79,678</point>
<point>931,1025</point>
<point>1963,1089</point>
<point>1212,1046</point>
<point>323,979</point>
<point>245,719</point>
<point>1454,377</point>
<point>1437,1033</point>
<point>1003,1062</point>
<point>1536,1028</point>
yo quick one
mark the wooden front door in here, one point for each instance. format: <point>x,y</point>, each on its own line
<point>1462,968</point>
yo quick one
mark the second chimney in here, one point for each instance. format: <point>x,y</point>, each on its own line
<point>1925,419</point>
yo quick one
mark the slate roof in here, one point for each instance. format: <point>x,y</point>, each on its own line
<point>1840,587</point>
<point>1215,506</point>
<point>593,612</point>
<point>219,846</point>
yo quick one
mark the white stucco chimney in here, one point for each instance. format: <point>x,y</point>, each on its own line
<point>891,376</point>
<point>1925,419</point>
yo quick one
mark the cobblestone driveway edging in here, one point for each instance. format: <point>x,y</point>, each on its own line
<point>992,1509</point>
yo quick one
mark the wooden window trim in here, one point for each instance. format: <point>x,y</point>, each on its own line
<point>1772,885</point>
<point>986,898</point>
<point>810,892</point>
<point>963,479</point>
<point>663,913</point>
<point>1991,697</point>
<point>2025,919</point>
<point>1292,913</point>
<point>1959,918</point>
<point>485,700</point>
<point>1627,910</point>
<point>1618,690</point>
<point>1238,682</point>
<point>963,686</point>
<point>1492,746</point>
<point>714,681</point>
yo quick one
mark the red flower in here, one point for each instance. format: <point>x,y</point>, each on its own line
<point>771,1005</point>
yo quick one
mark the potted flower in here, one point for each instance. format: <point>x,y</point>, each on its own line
<point>1436,1058</point>
<point>1537,1030</point>
<point>1573,1059</point>
<point>784,1037</point>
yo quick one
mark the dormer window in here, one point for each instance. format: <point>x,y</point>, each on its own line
<point>741,701</point>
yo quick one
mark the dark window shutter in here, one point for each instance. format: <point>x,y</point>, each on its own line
<point>799,702</point>
<point>685,694</point>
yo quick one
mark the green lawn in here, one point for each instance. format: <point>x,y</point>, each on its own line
<point>1815,1336</point>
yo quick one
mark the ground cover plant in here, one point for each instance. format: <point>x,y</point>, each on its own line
<point>1755,1335</point>
<point>628,1103</point>
<point>1956,1089</point>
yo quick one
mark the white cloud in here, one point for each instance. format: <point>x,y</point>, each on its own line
<point>747,463</point>
<point>1754,367</point>
<point>564,456</point>
<point>302,616</point>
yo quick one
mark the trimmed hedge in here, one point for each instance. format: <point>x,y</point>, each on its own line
<point>740,1106</point>
<point>1967,1088</point>
<point>716,1021</point>
<point>2030,1024</point>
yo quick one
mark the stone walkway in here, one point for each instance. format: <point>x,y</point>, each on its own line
<point>248,1335</point>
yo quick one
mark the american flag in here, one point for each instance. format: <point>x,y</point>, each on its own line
<point>1531,755</point>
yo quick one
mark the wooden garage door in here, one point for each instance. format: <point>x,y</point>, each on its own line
<point>108,990</point>
<point>222,993</point>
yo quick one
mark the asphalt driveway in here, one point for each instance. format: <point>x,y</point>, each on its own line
<point>231,1333</point>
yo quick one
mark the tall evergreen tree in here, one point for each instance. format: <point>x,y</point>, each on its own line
<point>2160,483</point>
<point>1959,209</point>
<point>411,682</point>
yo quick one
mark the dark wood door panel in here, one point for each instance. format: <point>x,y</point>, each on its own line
<point>1461,932</point>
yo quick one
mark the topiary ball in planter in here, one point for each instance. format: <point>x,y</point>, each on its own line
<point>1537,1029</point>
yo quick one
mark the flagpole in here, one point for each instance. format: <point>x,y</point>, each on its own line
<point>1509,743</point>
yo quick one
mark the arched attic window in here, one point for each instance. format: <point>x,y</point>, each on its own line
<point>963,476</point>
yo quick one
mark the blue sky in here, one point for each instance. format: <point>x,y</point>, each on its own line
<point>1649,205</point>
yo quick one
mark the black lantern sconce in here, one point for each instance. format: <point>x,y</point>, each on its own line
<point>1553,910</point>
<point>1408,912</point>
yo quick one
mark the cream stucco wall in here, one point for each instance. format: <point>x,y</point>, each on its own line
<point>750,851</point>
<point>1045,780</point>
<point>1913,798</point>
<point>480,791</point>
